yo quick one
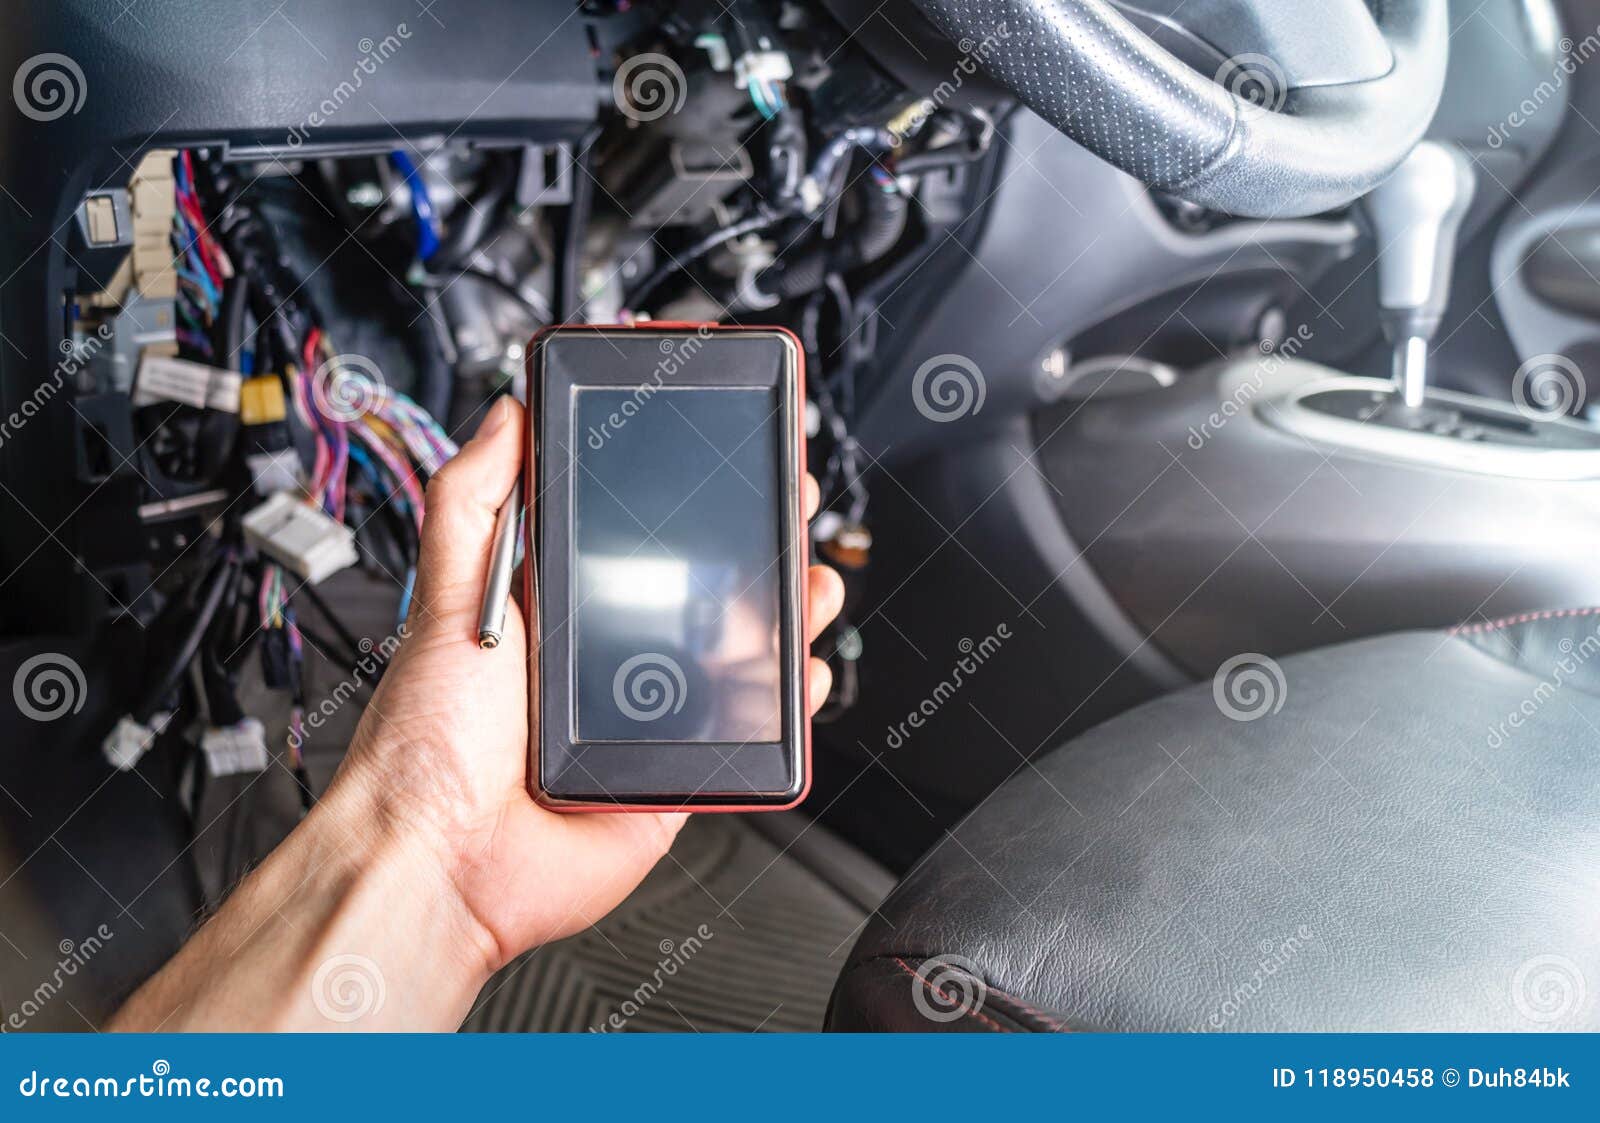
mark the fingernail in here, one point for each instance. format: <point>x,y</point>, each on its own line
<point>495,418</point>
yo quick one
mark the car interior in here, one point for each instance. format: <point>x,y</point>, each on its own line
<point>1198,395</point>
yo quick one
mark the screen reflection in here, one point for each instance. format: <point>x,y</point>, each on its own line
<point>677,584</point>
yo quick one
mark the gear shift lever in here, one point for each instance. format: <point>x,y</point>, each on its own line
<point>1416,214</point>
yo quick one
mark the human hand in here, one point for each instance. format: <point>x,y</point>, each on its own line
<point>442,750</point>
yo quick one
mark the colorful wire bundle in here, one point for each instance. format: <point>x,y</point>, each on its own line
<point>355,418</point>
<point>201,263</point>
<point>278,613</point>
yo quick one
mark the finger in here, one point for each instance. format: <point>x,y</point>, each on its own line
<point>826,590</point>
<point>813,497</point>
<point>462,502</point>
<point>821,684</point>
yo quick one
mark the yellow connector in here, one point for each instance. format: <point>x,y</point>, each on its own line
<point>261,400</point>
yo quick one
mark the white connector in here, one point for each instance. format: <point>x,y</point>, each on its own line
<point>275,471</point>
<point>301,537</point>
<point>233,749</point>
<point>165,379</point>
<point>129,740</point>
<point>762,66</point>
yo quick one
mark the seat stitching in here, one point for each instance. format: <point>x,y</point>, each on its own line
<point>1523,618</point>
<point>940,993</point>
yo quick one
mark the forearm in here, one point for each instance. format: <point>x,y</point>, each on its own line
<point>350,923</point>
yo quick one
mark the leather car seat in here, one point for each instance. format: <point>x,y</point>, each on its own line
<point>1397,833</point>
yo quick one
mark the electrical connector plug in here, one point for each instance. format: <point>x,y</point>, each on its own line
<point>164,379</point>
<point>761,66</point>
<point>130,739</point>
<point>232,749</point>
<point>275,471</point>
<point>300,537</point>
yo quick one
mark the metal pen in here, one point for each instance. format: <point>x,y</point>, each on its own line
<point>502,556</point>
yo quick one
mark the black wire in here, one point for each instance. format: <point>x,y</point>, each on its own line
<point>569,295</point>
<point>441,278</point>
<point>235,302</point>
<point>331,654</point>
<point>764,217</point>
<point>351,644</point>
<point>216,586</point>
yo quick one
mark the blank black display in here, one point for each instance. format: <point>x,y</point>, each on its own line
<point>676,576</point>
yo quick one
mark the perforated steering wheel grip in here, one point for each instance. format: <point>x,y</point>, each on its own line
<point>1084,68</point>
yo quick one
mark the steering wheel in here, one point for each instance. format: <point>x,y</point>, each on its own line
<point>1258,138</point>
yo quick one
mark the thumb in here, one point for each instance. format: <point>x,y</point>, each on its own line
<point>462,502</point>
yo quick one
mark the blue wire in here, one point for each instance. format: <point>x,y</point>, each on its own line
<point>405,596</point>
<point>756,96</point>
<point>421,205</point>
<point>204,282</point>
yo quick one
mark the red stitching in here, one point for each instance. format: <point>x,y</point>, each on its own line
<point>1524,618</point>
<point>984,1018</point>
<point>1053,1023</point>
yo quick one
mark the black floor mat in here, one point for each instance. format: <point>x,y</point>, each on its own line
<point>744,926</point>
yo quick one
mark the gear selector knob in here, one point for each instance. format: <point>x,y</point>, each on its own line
<point>1416,214</point>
